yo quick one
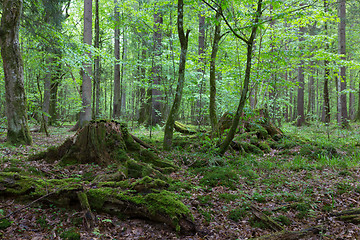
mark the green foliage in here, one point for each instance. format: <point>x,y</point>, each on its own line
<point>224,176</point>
<point>284,220</point>
<point>70,234</point>
<point>238,214</point>
<point>5,223</point>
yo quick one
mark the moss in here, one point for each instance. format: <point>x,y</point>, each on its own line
<point>250,148</point>
<point>264,146</point>
<point>147,183</point>
<point>238,214</point>
<point>220,176</point>
<point>284,220</point>
<point>4,223</point>
<point>166,202</point>
<point>70,234</point>
<point>138,170</point>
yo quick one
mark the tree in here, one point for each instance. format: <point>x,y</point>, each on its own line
<point>117,85</point>
<point>301,80</point>
<point>249,55</point>
<point>17,126</point>
<point>154,91</point>
<point>326,115</point>
<point>184,38</point>
<point>97,63</point>
<point>85,114</point>
<point>215,48</point>
<point>342,74</point>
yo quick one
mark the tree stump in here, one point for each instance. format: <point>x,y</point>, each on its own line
<point>107,142</point>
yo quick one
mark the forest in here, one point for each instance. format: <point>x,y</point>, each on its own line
<point>186,119</point>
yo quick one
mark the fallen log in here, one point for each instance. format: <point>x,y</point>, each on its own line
<point>268,221</point>
<point>350,215</point>
<point>182,128</point>
<point>292,235</point>
<point>117,198</point>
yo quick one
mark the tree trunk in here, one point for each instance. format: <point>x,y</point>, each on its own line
<point>155,92</point>
<point>342,75</point>
<point>300,97</point>
<point>215,48</point>
<point>117,85</point>
<point>201,69</point>
<point>85,114</point>
<point>97,62</point>
<point>326,116</point>
<point>17,126</point>
<point>169,127</point>
<point>250,45</point>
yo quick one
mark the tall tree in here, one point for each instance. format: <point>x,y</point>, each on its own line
<point>97,63</point>
<point>17,126</point>
<point>212,80</point>
<point>326,111</point>
<point>301,80</point>
<point>342,75</point>
<point>184,39</point>
<point>117,85</point>
<point>85,114</point>
<point>155,92</point>
<point>201,69</point>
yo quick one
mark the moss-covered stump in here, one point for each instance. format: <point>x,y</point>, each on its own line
<point>136,187</point>
<point>108,142</point>
<point>145,198</point>
<point>254,133</point>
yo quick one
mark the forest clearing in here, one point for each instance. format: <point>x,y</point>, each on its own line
<point>196,119</point>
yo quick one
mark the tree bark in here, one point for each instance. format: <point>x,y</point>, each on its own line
<point>300,96</point>
<point>17,126</point>
<point>326,115</point>
<point>85,114</point>
<point>169,127</point>
<point>215,48</point>
<point>342,75</point>
<point>201,69</point>
<point>156,93</point>
<point>97,62</point>
<point>250,45</point>
<point>117,86</point>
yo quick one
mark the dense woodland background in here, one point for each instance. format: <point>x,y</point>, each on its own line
<point>304,58</point>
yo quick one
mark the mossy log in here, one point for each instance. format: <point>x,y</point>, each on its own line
<point>183,128</point>
<point>146,198</point>
<point>292,235</point>
<point>350,215</point>
<point>268,221</point>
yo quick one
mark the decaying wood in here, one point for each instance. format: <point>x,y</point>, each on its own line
<point>182,128</point>
<point>102,197</point>
<point>272,224</point>
<point>90,220</point>
<point>292,235</point>
<point>144,144</point>
<point>350,215</point>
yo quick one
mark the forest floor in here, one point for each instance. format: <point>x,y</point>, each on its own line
<point>297,187</point>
